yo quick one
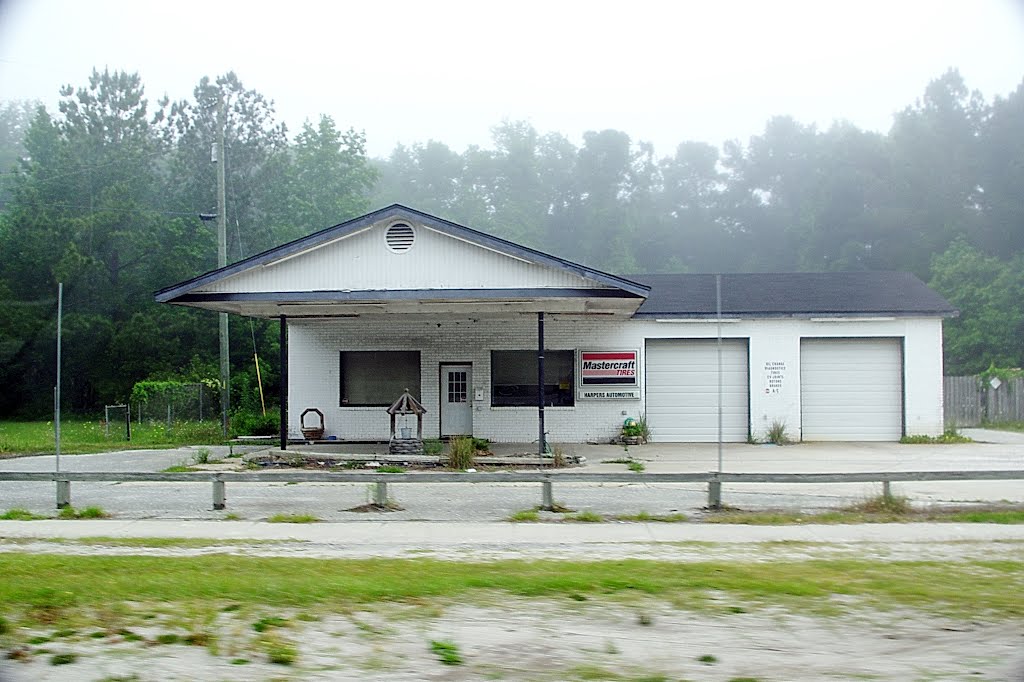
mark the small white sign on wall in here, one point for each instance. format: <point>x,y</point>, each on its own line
<point>774,376</point>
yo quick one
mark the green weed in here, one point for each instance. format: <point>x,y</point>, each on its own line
<point>524,515</point>
<point>586,516</point>
<point>266,623</point>
<point>292,518</point>
<point>86,513</point>
<point>280,651</point>
<point>461,453</point>
<point>645,517</point>
<point>446,651</point>
<point>19,514</point>
<point>949,437</point>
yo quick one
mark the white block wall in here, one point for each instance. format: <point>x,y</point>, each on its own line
<point>314,347</point>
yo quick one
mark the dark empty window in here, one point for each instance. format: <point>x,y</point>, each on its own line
<point>514,378</point>
<point>376,378</point>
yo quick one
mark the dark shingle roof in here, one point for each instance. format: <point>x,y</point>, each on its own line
<point>795,294</point>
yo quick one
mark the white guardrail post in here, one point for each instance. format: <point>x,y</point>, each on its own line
<point>380,494</point>
<point>63,494</point>
<point>714,493</point>
<point>219,498</point>
<point>547,495</point>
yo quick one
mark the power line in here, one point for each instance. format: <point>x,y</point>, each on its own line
<point>119,210</point>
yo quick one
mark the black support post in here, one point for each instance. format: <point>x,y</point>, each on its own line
<point>283,388</point>
<point>540,384</point>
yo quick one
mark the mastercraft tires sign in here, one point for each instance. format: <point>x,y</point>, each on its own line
<point>611,374</point>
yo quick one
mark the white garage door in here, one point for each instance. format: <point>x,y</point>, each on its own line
<point>851,389</point>
<point>682,390</point>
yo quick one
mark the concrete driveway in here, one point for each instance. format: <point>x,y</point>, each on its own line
<point>488,502</point>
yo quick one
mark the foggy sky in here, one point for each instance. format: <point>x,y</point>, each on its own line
<point>663,72</point>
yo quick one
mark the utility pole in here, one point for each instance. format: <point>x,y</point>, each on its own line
<point>222,260</point>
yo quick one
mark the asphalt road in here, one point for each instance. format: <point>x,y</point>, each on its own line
<point>491,502</point>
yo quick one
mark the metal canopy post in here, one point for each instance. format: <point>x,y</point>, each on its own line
<point>540,384</point>
<point>283,388</point>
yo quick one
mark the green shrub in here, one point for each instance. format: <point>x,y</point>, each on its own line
<point>432,446</point>
<point>481,444</point>
<point>246,423</point>
<point>461,453</point>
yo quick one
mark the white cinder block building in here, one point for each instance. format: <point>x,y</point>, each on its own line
<point>400,299</point>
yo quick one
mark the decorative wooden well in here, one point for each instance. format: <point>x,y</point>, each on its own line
<point>406,405</point>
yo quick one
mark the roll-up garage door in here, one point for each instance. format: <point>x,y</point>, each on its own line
<point>682,390</point>
<point>851,389</point>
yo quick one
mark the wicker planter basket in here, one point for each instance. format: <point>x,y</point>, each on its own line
<point>312,432</point>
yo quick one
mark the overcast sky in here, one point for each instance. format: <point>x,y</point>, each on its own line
<point>663,72</point>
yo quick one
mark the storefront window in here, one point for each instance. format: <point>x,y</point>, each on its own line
<point>514,378</point>
<point>375,378</point>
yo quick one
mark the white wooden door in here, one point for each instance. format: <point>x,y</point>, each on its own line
<point>456,400</point>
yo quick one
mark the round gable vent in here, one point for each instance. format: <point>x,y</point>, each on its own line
<point>399,237</point>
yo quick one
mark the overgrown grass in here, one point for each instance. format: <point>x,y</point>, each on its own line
<point>1004,426</point>
<point>949,437</point>
<point>645,517</point>
<point>525,515</point>
<point>43,584</point>
<point>85,513</point>
<point>78,436</point>
<point>19,514</point>
<point>432,446</point>
<point>446,651</point>
<point>852,515</point>
<point>292,518</point>
<point>777,434</point>
<point>461,453</point>
<point>585,516</point>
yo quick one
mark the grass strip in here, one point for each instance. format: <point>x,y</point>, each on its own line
<point>54,582</point>
<point>788,518</point>
<point>80,437</point>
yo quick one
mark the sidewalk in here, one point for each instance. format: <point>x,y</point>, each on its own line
<point>458,534</point>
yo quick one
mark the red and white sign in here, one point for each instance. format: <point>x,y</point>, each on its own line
<point>609,374</point>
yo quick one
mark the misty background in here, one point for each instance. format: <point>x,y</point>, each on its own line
<point>102,181</point>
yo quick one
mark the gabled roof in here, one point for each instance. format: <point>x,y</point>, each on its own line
<point>795,294</point>
<point>176,292</point>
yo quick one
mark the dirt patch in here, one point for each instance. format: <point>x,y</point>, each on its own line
<point>520,639</point>
<point>374,507</point>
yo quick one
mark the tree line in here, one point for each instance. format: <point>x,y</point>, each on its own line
<point>105,193</point>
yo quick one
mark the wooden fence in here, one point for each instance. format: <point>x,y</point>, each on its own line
<point>713,480</point>
<point>968,403</point>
